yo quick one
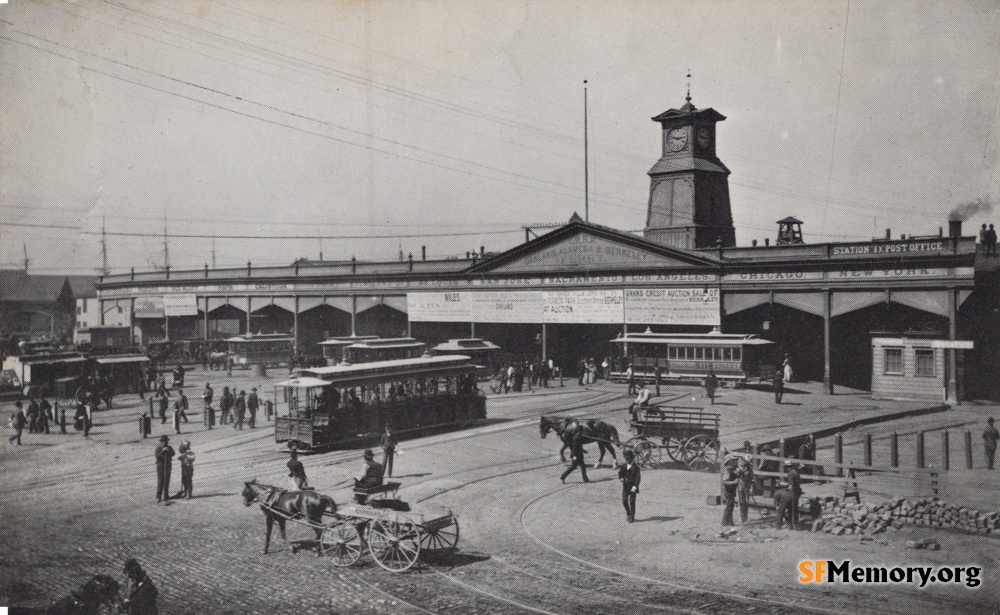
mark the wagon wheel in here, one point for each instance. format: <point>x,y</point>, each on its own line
<point>674,448</point>
<point>394,542</point>
<point>700,452</point>
<point>632,443</point>
<point>442,540</point>
<point>647,455</point>
<point>342,542</point>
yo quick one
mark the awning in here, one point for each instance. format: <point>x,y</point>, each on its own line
<point>128,359</point>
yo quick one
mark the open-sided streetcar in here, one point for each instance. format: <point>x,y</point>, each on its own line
<point>734,358</point>
<point>321,407</point>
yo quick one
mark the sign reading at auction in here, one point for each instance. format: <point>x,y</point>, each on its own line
<point>149,307</point>
<point>439,307</point>
<point>672,306</point>
<point>507,306</point>
<point>583,306</point>
<point>180,305</point>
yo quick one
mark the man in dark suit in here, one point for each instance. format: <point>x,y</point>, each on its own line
<point>630,476</point>
<point>388,445</point>
<point>142,593</point>
<point>779,386</point>
<point>253,403</point>
<point>240,409</point>
<point>577,452</point>
<point>164,461</point>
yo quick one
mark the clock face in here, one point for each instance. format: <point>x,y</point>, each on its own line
<point>704,137</point>
<point>677,139</point>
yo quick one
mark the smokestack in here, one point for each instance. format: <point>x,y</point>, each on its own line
<point>754,243</point>
<point>888,234</point>
<point>482,250</point>
<point>767,241</point>
<point>423,253</point>
<point>940,231</point>
<point>954,228</point>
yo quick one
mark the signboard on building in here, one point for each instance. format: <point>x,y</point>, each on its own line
<point>507,306</point>
<point>180,305</point>
<point>583,306</point>
<point>149,307</point>
<point>439,307</point>
<point>672,306</point>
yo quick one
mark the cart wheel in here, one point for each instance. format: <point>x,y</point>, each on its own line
<point>394,542</point>
<point>701,453</point>
<point>443,540</point>
<point>646,454</point>
<point>342,542</point>
<point>632,443</point>
<point>675,448</point>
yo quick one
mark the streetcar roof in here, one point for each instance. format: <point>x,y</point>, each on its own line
<point>262,337</point>
<point>707,339</point>
<point>135,358</point>
<point>387,342</point>
<point>304,382</point>
<point>347,341</point>
<point>396,369</point>
<point>471,344</point>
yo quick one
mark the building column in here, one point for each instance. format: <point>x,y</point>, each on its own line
<point>131,321</point>
<point>295,325</point>
<point>206,318</point>
<point>827,308</point>
<point>951,388</point>
<point>249,309</point>
<point>545,345</point>
<point>472,329</point>
<point>354,315</point>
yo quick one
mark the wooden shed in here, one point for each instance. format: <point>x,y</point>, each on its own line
<point>911,367</point>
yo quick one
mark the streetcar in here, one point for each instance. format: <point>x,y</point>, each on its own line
<point>734,358</point>
<point>483,352</point>
<point>261,349</point>
<point>348,405</point>
<point>333,347</point>
<point>383,349</point>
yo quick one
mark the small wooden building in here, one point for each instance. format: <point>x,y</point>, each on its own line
<point>907,367</point>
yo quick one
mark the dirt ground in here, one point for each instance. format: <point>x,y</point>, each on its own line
<point>529,544</point>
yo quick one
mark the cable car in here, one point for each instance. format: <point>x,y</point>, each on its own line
<point>333,347</point>
<point>734,358</point>
<point>261,349</point>
<point>483,352</point>
<point>384,349</point>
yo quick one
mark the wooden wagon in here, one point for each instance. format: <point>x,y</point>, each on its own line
<point>688,435</point>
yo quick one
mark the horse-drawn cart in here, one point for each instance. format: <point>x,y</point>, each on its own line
<point>394,538</point>
<point>689,435</point>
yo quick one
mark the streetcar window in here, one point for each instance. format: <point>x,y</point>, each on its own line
<point>672,353</point>
<point>737,354</point>
<point>727,354</point>
<point>699,353</point>
<point>718,353</point>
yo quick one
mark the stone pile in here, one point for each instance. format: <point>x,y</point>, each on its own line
<point>842,518</point>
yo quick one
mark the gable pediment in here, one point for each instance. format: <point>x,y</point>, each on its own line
<point>588,250</point>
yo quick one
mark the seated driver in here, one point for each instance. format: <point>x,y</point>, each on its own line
<point>641,401</point>
<point>371,476</point>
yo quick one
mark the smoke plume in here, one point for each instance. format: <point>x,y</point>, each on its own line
<point>964,212</point>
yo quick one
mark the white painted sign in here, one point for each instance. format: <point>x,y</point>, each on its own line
<point>439,307</point>
<point>672,306</point>
<point>583,306</point>
<point>180,305</point>
<point>507,306</point>
<point>149,307</point>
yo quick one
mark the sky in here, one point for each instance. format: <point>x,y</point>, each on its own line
<point>266,131</point>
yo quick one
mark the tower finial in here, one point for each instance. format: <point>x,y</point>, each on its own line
<point>688,97</point>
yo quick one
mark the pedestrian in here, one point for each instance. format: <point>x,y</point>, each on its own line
<point>793,485</point>
<point>630,379</point>
<point>186,457</point>
<point>229,366</point>
<point>807,452</point>
<point>225,405</point>
<point>164,459</point>
<point>240,410</point>
<point>62,419</point>
<point>269,409</point>
<point>179,376</point>
<point>371,476</point>
<point>783,503</point>
<point>577,452</point>
<point>510,379</point>
<point>711,384</point>
<point>389,449</point>
<point>142,593</point>
<point>177,418</point>
<point>17,422</point>
<point>182,405</point>
<point>253,403</point>
<point>32,415</point>
<point>991,241</point>
<point>658,377</point>
<point>581,367</point>
<point>296,472</point>
<point>779,386</point>
<point>990,437</point>
<point>744,490</point>
<point>730,484</point>
<point>786,367</point>
<point>142,387</point>
<point>207,395</point>
<point>44,415</point>
<point>630,476</point>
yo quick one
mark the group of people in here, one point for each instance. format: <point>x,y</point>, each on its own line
<point>164,455</point>
<point>988,237</point>
<point>234,408</point>
<point>514,375</point>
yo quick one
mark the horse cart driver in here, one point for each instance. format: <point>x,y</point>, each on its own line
<point>641,401</point>
<point>370,479</point>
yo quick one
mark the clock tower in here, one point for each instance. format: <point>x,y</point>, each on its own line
<point>689,190</point>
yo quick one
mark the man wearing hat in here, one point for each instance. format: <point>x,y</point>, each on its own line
<point>790,501</point>
<point>186,457</point>
<point>990,437</point>
<point>389,446</point>
<point>730,482</point>
<point>142,593</point>
<point>296,472</point>
<point>371,475</point>
<point>164,460</point>
<point>240,409</point>
<point>253,402</point>
<point>630,477</point>
<point>577,453</point>
<point>744,473</point>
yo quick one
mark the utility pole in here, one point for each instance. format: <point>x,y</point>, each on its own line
<point>213,253</point>
<point>166,247</point>
<point>104,247</point>
<point>586,162</point>
<point>26,261</point>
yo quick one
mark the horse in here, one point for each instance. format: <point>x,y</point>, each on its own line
<point>218,360</point>
<point>597,432</point>
<point>100,594</point>
<point>280,505</point>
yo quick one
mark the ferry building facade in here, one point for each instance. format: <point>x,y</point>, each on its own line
<point>567,293</point>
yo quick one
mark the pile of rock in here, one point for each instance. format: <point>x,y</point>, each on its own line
<point>840,518</point>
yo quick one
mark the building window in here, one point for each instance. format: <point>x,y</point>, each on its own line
<point>894,361</point>
<point>925,362</point>
<point>79,311</point>
<point>119,309</point>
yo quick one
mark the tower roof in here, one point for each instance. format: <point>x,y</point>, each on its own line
<point>689,111</point>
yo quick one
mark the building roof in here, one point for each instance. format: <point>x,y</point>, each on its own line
<point>687,163</point>
<point>16,285</point>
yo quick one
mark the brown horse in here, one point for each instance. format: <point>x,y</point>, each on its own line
<point>604,435</point>
<point>280,505</point>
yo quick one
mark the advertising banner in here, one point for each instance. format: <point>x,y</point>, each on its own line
<point>180,305</point>
<point>583,306</point>
<point>439,307</point>
<point>149,307</point>
<point>507,306</point>
<point>677,306</point>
